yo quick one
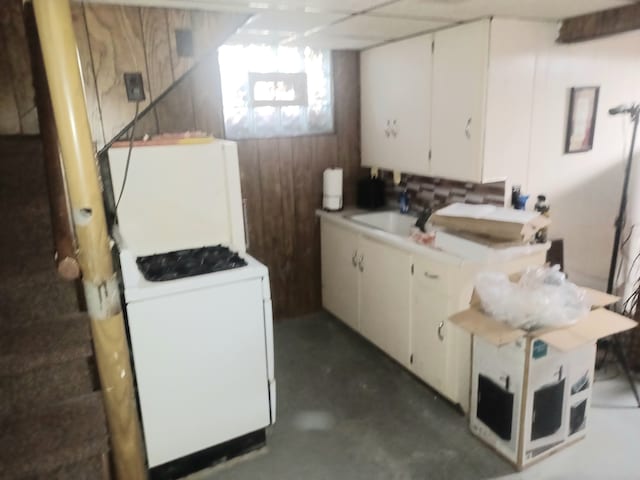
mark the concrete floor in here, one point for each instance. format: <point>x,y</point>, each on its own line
<point>346,411</point>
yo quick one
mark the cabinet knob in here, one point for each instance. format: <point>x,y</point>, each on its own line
<point>361,263</point>
<point>431,276</point>
<point>394,129</point>
<point>354,259</point>
<point>467,129</point>
<point>440,326</point>
<point>387,131</point>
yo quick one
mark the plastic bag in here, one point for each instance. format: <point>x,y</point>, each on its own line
<point>543,297</point>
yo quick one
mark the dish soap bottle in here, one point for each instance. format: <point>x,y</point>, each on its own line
<point>404,201</point>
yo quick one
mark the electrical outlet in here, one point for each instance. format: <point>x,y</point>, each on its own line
<point>134,86</point>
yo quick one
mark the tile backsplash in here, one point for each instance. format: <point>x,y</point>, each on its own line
<point>436,192</point>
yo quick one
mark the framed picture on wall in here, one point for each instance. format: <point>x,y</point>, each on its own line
<point>581,121</point>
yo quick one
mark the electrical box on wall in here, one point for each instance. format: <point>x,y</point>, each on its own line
<point>184,43</point>
<point>134,86</point>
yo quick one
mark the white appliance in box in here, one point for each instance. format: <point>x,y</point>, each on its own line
<point>202,344</point>
<point>525,408</point>
<point>530,390</point>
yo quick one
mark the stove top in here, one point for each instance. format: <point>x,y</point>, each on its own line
<point>188,263</point>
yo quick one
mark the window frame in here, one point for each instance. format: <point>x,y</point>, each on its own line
<point>298,80</point>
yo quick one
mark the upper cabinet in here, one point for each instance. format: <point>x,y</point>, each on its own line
<point>479,83</point>
<point>395,105</point>
<point>460,60</point>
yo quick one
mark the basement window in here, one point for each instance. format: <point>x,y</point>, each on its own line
<point>276,91</point>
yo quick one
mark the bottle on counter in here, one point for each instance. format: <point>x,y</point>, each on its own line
<point>542,207</point>
<point>404,201</point>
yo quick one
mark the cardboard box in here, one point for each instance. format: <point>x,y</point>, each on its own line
<point>490,222</point>
<point>531,391</point>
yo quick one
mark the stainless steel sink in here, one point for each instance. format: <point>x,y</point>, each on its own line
<point>390,222</point>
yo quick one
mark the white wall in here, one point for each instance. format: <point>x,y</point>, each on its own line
<point>584,189</point>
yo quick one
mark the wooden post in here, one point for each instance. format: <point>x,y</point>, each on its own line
<point>64,240</point>
<point>59,50</point>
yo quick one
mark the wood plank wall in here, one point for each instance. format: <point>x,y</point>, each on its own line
<point>112,40</point>
<point>282,184</point>
<point>18,114</point>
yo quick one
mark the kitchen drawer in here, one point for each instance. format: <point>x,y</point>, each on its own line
<point>433,275</point>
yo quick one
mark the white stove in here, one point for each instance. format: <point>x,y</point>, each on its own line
<point>198,306</point>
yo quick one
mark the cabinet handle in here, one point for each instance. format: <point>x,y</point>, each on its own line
<point>431,276</point>
<point>354,259</point>
<point>467,129</point>
<point>394,129</point>
<point>387,131</point>
<point>440,326</point>
<point>361,263</point>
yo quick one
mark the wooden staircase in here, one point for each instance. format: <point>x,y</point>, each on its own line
<point>52,422</point>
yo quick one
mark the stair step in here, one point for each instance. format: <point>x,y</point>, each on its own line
<point>95,468</point>
<point>35,294</point>
<point>64,435</point>
<point>38,344</point>
<point>45,386</point>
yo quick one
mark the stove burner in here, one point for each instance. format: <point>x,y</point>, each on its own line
<point>188,263</point>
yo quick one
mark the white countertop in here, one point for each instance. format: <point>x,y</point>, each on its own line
<point>478,254</point>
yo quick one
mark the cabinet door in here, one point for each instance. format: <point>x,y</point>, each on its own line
<point>376,91</point>
<point>396,104</point>
<point>339,272</point>
<point>460,63</point>
<point>429,312</point>
<point>385,298</point>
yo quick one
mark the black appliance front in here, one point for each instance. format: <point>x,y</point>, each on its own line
<point>371,193</point>
<point>577,417</point>
<point>547,410</point>
<point>495,407</point>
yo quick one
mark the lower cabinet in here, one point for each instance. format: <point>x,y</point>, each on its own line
<point>340,282</point>
<point>385,297</point>
<point>401,302</point>
<point>429,339</point>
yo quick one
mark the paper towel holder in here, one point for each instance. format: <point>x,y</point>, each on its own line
<point>332,189</point>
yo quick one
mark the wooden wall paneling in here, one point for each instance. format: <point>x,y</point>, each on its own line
<point>210,29</point>
<point>116,41</point>
<point>9,117</point>
<point>17,51</point>
<point>272,220</point>
<point>155,32</point>
<point>324,155</point>
<point>286,263</point>
<point>600,24</point>
<point>88,76</point>
<point>207,108</point>
<point>29,122</point>
<point>346,85</point>
<point>252,195</point>
<point>179,19</point>
<point>175,111</point>
<point>305,206</point>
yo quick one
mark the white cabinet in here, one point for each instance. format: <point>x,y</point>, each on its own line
<point>460,62</point>
<point>340,287</point>
<point>429,337</point>
<point>461,97</point>
<point>482,98</point>
<point>401,301</point>
<point>395,105</point>
<point>385,297</point>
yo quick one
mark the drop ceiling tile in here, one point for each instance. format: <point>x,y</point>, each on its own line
<point>294,22</point>
<point>332,42</point>
<point>255,38</point>
<point>469,9</point>
<point>385,28</point>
